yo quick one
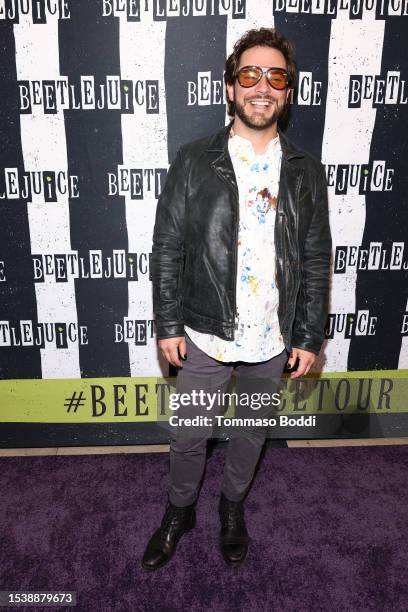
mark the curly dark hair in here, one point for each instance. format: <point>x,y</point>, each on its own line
<point>262,37</point>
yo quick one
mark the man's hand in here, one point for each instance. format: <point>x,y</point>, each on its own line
<point>171,348</point>
<point>306,360</point>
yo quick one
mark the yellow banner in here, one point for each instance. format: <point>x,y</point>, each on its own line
<point>146,399</point>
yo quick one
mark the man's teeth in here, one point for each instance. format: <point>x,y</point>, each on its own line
<point>259,103</point>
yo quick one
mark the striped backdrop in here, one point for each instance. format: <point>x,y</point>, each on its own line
<point>97,96</point>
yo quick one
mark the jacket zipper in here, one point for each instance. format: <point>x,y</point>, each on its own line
<point>235,314</point>
<point>236,271</point>
<point>282,216</point>
<point>235,188</point>
<point>290,323</point>
<point>284,267</point>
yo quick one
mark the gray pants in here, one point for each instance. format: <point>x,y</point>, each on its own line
<point>188,446</point>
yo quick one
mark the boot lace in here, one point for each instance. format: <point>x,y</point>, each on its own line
<point>172,519</point>
<point>233,514</point>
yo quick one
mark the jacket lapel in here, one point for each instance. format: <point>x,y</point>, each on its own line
<point>221,161</point>
<point>290,174</point>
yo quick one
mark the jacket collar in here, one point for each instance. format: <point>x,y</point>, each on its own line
<point>219,142</point>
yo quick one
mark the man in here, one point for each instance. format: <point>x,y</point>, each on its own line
<point>240,267</point>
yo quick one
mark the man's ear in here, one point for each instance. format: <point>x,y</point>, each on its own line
<point>230,91</point>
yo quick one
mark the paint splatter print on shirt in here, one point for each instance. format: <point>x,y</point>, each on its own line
<point>258,336</point>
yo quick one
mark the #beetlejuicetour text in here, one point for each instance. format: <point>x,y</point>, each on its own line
<point>253,401</point>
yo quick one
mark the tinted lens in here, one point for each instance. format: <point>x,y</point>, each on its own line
<point>247,77</point>
<point>277,79</point>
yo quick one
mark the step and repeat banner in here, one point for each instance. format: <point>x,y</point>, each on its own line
<point>96,98</point>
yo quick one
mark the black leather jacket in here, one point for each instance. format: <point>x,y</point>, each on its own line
<point>194,253</point>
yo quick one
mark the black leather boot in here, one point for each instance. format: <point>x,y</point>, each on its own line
<point>234,538</point>
<point>162,545</point>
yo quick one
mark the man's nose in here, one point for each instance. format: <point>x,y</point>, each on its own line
<point>263,86</point>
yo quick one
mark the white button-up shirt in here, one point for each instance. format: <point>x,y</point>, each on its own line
<point>258,336</point>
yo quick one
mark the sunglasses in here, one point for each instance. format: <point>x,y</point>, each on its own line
<point>248,76</point>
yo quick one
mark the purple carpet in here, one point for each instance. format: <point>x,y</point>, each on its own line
<point>328,526</point>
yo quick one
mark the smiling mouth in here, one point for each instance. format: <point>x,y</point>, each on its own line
<point>261,103</point>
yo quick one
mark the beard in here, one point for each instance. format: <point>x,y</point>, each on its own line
<point>259,119</point>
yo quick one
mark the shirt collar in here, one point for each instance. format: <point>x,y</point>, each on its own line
<point>244,145</point>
